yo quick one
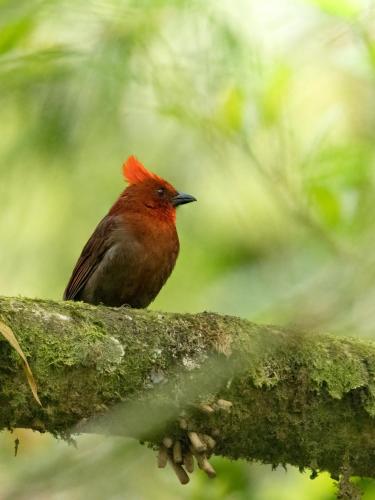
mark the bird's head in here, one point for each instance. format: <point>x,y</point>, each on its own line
<point>151,191</point>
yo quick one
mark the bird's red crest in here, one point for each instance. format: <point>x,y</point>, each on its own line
<point>134,172</point>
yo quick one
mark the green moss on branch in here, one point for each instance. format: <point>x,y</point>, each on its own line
<point>302,399</point>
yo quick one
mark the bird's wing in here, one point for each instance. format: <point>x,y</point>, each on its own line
<point>91,256</point>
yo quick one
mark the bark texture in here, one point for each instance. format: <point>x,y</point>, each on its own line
<point>304,399</point>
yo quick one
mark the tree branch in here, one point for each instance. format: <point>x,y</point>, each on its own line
<point>302,399</point>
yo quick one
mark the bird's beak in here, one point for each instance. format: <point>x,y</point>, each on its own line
<point>182,198</point>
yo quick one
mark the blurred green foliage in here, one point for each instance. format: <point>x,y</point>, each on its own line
<point>264,111</point>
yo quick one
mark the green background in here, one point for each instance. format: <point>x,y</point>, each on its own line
<point>265,111</point>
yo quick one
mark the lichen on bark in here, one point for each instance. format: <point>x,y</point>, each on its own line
<point>298,398</point>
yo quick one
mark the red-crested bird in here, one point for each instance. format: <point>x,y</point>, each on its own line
<point>133,250</point>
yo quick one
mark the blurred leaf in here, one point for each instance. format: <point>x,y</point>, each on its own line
<point>231,109</point>
<point>369,44</point>
<point>326,203</point>
<point>345,167</point>
<point>22,72</point>
<point>347,9</point>
<point>8,334</point>
<point>14,33</point>
<point>274,93</point>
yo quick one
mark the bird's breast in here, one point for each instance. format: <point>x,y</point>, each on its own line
<point>157,256</point>
<point>154,257</point>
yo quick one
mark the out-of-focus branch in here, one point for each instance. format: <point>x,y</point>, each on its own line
<point>302,399</point>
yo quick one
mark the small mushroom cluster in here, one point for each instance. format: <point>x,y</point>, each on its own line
<point>180,453</point>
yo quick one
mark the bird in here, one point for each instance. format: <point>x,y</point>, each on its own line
<point>134,248</point>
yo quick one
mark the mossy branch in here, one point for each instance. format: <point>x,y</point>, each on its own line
<point>301,399</point>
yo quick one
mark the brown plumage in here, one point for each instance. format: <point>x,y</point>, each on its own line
<point>134,248</point>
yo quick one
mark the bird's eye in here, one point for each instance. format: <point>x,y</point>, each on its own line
<point>161,192</point>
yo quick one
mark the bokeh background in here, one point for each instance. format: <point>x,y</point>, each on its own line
<point>265,111</point>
